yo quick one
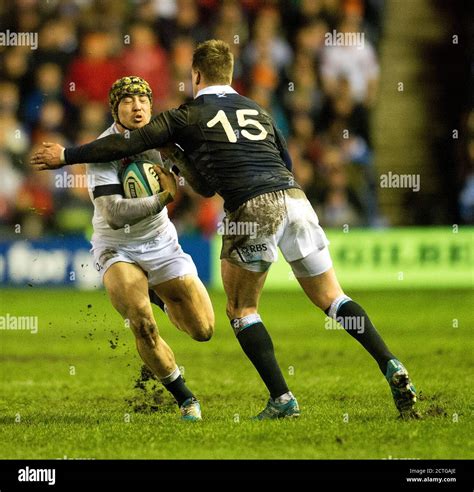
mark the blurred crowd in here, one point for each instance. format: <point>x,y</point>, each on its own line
<point>320,96</point>
<point>465,151</point>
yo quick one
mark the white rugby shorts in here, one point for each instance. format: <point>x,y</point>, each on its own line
<point>161,259</point>
<point>285,219</point>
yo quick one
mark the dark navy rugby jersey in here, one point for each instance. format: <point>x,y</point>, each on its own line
<point>229,141</point>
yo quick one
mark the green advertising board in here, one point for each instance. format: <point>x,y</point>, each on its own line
<point>441,257</point>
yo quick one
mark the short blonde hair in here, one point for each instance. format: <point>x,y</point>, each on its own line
<point>215,61</point>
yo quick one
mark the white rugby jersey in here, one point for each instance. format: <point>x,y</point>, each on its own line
<point>104,179</point>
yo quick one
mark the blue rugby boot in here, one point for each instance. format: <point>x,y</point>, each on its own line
<point>403,391</point>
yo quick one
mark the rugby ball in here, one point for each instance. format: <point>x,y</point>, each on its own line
<point>139,180</point>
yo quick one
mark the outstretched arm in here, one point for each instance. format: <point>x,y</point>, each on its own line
<point>155,134</point>
<point>106,149</point>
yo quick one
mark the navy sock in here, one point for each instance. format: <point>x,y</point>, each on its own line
<point>352,317</point>
<point>258,347</point>
<point>179,390</point>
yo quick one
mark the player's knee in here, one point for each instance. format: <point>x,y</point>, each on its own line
<point>202,336</point>
<point>204,331</point>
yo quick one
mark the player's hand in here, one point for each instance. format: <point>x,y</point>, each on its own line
<point>167,180</point>
<point>47,157</point>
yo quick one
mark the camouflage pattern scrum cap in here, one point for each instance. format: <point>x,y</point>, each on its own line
<point>127,86</point>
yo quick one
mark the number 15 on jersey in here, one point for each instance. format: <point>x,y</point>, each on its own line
<point>243,122</point>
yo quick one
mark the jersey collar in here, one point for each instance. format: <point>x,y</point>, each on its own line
<point>216,89</point>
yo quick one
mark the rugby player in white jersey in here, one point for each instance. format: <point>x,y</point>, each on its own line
<point>135,248</point>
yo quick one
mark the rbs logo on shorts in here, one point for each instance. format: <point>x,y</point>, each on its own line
<point>252,252</point>
<point>253,248</point>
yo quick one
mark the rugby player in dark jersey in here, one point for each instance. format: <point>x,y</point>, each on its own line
<point>232,147</point>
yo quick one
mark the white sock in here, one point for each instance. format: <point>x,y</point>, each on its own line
<point>172,376</point>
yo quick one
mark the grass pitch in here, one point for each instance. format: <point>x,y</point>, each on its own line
<point>68,390</point>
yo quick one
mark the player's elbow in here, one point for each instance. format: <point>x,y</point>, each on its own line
<point>114,224</point>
